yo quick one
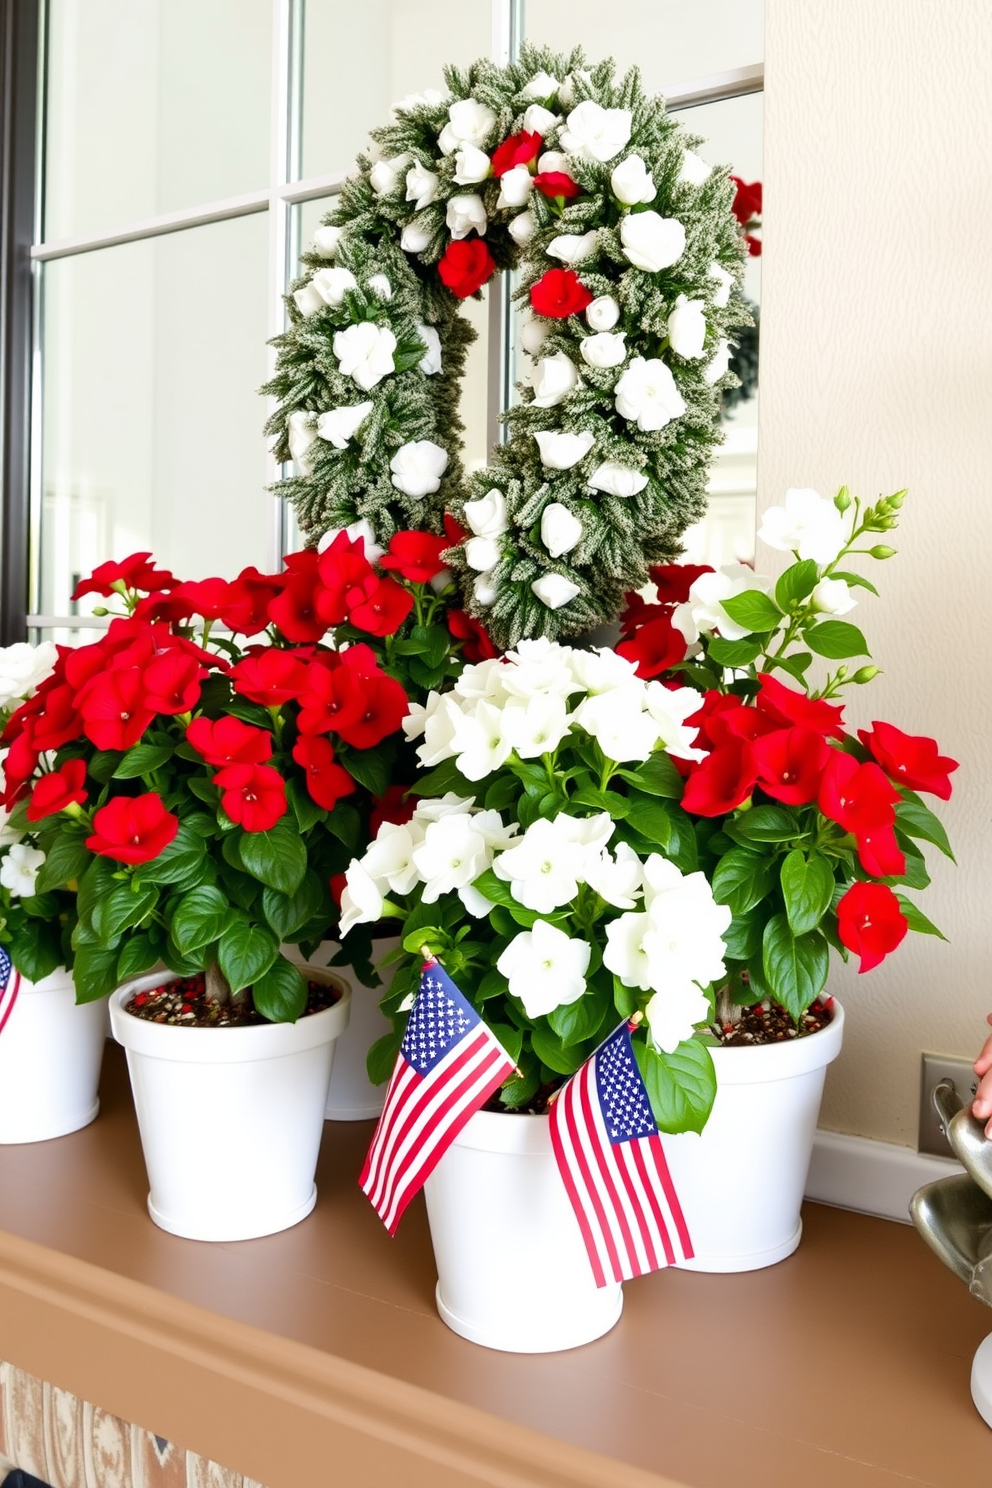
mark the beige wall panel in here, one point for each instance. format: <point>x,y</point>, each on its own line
<point>877,371</point>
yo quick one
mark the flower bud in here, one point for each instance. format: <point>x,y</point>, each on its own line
<point>865,674</point>
<point>843,499</point>
<point>896,500</point>
<point>881,551</point>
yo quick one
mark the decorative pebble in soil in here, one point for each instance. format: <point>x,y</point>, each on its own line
<point>767,1024</point>
<point>184,1002</point>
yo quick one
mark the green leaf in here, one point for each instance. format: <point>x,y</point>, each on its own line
<point>795,966</point>
<point>836,639</point>
<point>120,909</point>
<point>494,888</point>
<point>733,653</point>
<point>183,856</point>
<point>346,824</point>
<point>796,583</point>
<point>277,857</point>
<point>651,821</point>
<point>203,789</point>
<point>919,821</point>
<point>142,759</point>
<point>287,913</point>
<point>764,824</point>
<point>245,953</point>
<point>104,764</point>
<point>796,665</point>
<point>578,1020</point>
<point>917,920</point>
<point>430,936</point>
<point>613,804</point>
<point>94,972</point>
<point>742,936</point>
<point>855,580</point>
<point>656,777</point>
<point>35,948</point>
<point>370,767</point>
<point>511,1038</point>
<point>742,879</point>
<point>807,888</point>
<point>754,610</point>
<point>551,1051</point>
<point>138,954</point>
<point>493,984</point>
<point>68,858</point>
<point>98,880</point>
<point>305,809</point>
<point>681,1086</point>
<point>200,918</point>
<point>502,793</point>
<point>624,998</point>
<point>280,994</point>
<point>381,1057</point>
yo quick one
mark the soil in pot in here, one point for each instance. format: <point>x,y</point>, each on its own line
<point>184,1002</point>
<point>767,1024</point>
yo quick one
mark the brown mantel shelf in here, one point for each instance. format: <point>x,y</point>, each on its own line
<point>315,1357</point>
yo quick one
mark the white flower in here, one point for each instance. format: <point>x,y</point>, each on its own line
<point>603,313</point>
<point>545,968</point>
<point>522,228</point>
<point>486,516</point>
<point>418,467</point>
<point>365,353</point>
<point>414,238</point>
<point>485,590</point>
<point>326,240</point>
<point>20,868</point>
<point>539,120</point>
<point>537,726</point>
<point>339,425</point>
<point>381,287</point>
<point>361,529</point>
<point>694,170</point>
<point>551,162</point>
<point>469,123</point>
<point>567,90</point>
<point>537,667</point>
<point>301,436</point>
<point>541,85</point>
<point>384,177</point>
<point>687,327</point>
<point>687,924</point>
<point>807,524</point>
<point>430,96</point>
<point>617,880</point>
<point>724,284</point>
<point>437,724</point>
<point>833,597</point>
<point>389,859</point>
<point>652,242</point>
<point>515,187</point>
<point>603,671</point>
<point>573,248</point>
<point>23,668</point>
<point>471,165</point>
<point>617,722</point>
<point>625,954</point>
<point>647,395</point>
<point>482,553</point>
<point>554,378</point>
<point>430,362</point>
<point>721,361</point>
<point>554,590</point>
<point>595,133</point>
<point>482,679</point>
<point>308,301</point>
<point>466,214</point>
<point>590,833</point>
<point>632,182</point>
<point>670,707</point>
<point>421,186</point>
<point>452,854</point>
<point>449,804</point>
<point>560,530</point>
<point>562,451</point>
<point>703,611</point>
<point>533,333</point>
<point>617,480</point>
<point>542,868</point>
<point>479,741</point>
<point>672,1016</point>
<point>333,284</point>
<point>605,349</point>
<point>8,834</point>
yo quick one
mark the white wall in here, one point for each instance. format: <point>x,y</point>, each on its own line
<point>877,371</point>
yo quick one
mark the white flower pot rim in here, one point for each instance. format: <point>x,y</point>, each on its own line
<point>782,1060</point>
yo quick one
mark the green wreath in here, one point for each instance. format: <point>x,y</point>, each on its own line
<point>630,257</point>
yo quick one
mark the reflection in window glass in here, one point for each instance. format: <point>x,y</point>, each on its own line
<point>151,420</point>
<point>153,105</point>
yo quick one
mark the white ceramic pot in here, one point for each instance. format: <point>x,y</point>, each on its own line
<point>230,1118</point>
<point>352,1096</point>
<point>741,1181</point>
<point>513,1273</point>
<point>51,1051</point>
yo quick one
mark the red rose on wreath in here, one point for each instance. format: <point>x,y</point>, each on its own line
<point>556,183</point>
<point>559,293</point>
<point>518,149</point>
<point>466,266</point>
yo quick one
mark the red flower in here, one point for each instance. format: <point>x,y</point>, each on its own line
<point>133,829</point>
<point>19,765</point>
<point>294,609</point>
<point>880,854</point>
<point>870,922</point>
<point>747,200</point>
<point>674,580</point>
<point>655,647</point>
<point>254,796</point>
<point>636,612</point>
<point>228,741</point>
<point>58,790</point>
<point>476,643</point>
<point>858,797</point>
<point>338,882</point>
<point>753,245</point>
<point>454,531</point>
<point>270,677</point>
<point>246,609</point>
<point>415,555</point>
<point>559,293</point>
<point>331,696</point>
<point>466,266</point>
<point>791,764</point>
<point>343,569</point>
<point>722,780</point>
<point>910,759</point>
<point>382,607</point>
<point>172,683</point>
<point>517,149</point>
<point>327,781</point>
<point>134,573</point>
<point>392,807</point>
<point>113,708</point>
<point>556,183</point>
<point>58,722</point>
<point>205,597</point>
<point>786,706</point>
<point>385,706</point>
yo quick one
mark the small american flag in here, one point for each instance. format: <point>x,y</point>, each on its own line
<point>448,1066</point>
<point>612,1162</point>
<point>10,985</point>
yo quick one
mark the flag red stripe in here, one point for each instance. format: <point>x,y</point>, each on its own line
<point>621,1157</point>
<point>661,1163</point>
<point>609,1180</point>
<point>572,1096</point>
<point>651,1194</point>
<point>373,1158</point>
<point>9,996</point>
<point>568,1178</point>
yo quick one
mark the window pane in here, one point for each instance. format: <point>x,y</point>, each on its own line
<point>360,59</point>
<point>669,40</point>
<point>153,356</point>
<point>153,105</point>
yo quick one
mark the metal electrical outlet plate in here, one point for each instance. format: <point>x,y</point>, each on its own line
<point>934,1068</point>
